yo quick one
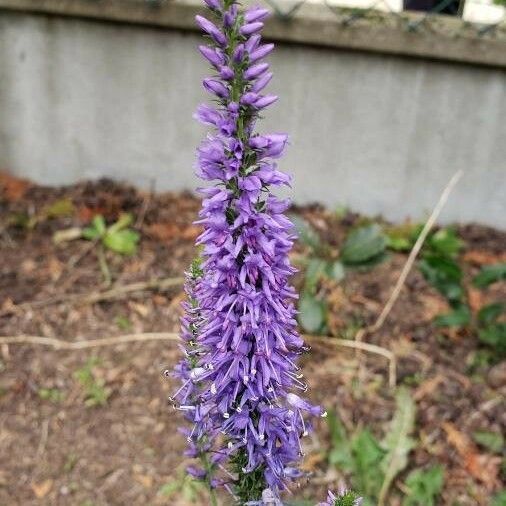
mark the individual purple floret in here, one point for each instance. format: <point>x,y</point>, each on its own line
<point>241,384</point>
<point>343,498</point>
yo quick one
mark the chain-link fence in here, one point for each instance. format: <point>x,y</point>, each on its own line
<point>459,17</point>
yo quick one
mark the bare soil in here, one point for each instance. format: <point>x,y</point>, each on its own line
<point>57,450</point>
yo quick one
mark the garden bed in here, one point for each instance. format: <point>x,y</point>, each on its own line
<point>91,427</point>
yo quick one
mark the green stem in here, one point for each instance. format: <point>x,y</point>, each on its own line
<point>212,496</point>
<point>103,265</point>
<point>208,468</point>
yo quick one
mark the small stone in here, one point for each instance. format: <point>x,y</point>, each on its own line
<point>496,377</point>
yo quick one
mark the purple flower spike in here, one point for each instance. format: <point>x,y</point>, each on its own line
<point>255,71</point>
<point>255,14</point>
<point>211,55</point>
<point>216,87</point>
<point>240,384</point>
<point>251,28</point>
<point>211,30</point>
<point>226,73</point>
<point>230,16</point>
<point>252,43</point>
<point>261,82</point>
<point>265,101</point>
<point>260,52</point>
<point>213,4</point>
<point>238,55</point>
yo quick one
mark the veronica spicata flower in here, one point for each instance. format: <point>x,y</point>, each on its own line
<point>240,375</point>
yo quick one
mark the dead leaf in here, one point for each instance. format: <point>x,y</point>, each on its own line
<point>433,305</point>
<point>159,300</point>
<point>144,479</point>
<point>28,266</point>
<point>475,299</point>
<point>482,467</point>
<point>169,231</point>
<point>42,489</point>
<point>55,268</point>
<point>311,461</point>
<point>191,232</point>
<point>428,387</point>
<point>68,234</point>
<point>13,188</point>
<point>85,214</point>
<point>139,308</point>
<point>478,257</point>
<point>163,231</point>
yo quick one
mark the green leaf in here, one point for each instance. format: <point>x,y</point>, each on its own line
<point>123,222</point>
<point>459,317</point>
<point>445,243</point>
<point>122,241</point>
<point>399,243</point>
<point>315,270</point>
<point>59,209</point>
<point>340,453</point>
<point>367,456</point>
<point>367,264</point>
<point>335,270</point>
<point>402,237</point>
<point>363,244</point>
<point>123,322</point>
<point>169,489</point>
<point>494,335</point>
<point>493,441</point>
<point>488,314</point>
<point>499,499</point>
<point>98,222</point>
<point>90,233</point>
<point>444,274</point>
<point>424,486</point>
<point>397,442</point>
<point>312,313</point>
<point>306,232</point>
<point>490,274</point>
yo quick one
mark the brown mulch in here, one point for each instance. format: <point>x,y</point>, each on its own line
<point>59,451</point>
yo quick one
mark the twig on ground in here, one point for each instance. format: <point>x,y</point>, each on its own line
<point>61,344</point>
<point>146,201</point>
<point>410,261</point>
<point>98,296</point>
<point>43,439</point>
<point>358,345</point>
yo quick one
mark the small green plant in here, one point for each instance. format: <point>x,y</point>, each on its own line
<point>364,247</point>
<point>348,499</point>
<point>123,323</point>
<point>96,394</point>
<point>117,237</point>
<point>491,441</point>
<point>499,499</point>
<point>490,274</point>
<point>424,486</point>
<point>374,464</point>
<point>440,267</point>
<point>186,487</point>
<point>61,208</point>
<point>51,394</point>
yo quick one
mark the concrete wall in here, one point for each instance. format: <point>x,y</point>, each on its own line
<point>381,134</point>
